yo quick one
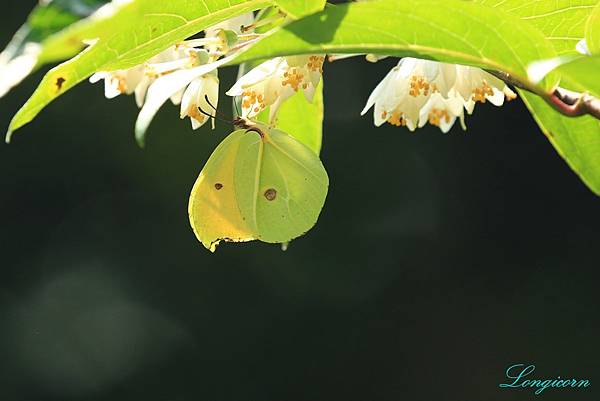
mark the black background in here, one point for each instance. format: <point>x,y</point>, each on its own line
<point>438,261</point>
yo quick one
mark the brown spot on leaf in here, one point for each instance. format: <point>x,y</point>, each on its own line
<point>271,194</point>
<point>218,186</point>
<point>59,82</point>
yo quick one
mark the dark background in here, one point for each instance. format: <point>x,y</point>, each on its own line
<point>438,261</point>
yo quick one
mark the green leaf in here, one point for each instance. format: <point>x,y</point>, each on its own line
<point>582,75</point>
<point>300,8</point>
<point>303,120</point>
<point>258,185</point>
<point>561,22</point>
<point>577,140</point>
<point>42,38</point>
<point>445,30</point>
<point>134,34</point>
<point>592,31</point>
<point>459,32</point>
<point>70,40</point>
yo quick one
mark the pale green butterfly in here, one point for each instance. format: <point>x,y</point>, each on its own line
<point>259,184</point>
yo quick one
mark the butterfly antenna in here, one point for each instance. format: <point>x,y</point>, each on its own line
<point>222,117</point>
<point>205,113</point>
<point>216,116</point>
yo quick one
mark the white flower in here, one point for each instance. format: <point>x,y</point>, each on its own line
<point>476,86</point>
<point>417,91</point>
<point>400,96</point>
<point>170,85</point>
<point>185,73</point>
<point>138,79</point>
<point>177,58</point>
<point>119,82</point>
<point>276,80</point>
<point>182,56</point>
<point>441,112</point>
<point>220,38</point>
<point>194,99</point>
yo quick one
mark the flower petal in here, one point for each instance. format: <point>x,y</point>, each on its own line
<point>165,87</point>
<point>378,91</point>
<point>255,76</point>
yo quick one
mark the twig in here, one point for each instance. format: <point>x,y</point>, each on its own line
<point>574,104</point>
<point>566,102</point>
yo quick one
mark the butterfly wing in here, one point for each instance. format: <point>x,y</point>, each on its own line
<point>213,207</point>
<point>292,189</point>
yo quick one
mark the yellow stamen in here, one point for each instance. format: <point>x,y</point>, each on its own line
<point>194,113</point>
<point>396,119</point>
<point>436,116</point>
<point>480,93</point>
<point>419,84</point>
<point>293,78</point>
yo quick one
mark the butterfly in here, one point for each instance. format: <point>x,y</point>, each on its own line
<point>258,184</point>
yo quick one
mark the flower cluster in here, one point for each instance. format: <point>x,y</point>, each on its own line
<point>185,73</point>
<point>417,92</point>
<point>274,81</point>
<point>414,93</point>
